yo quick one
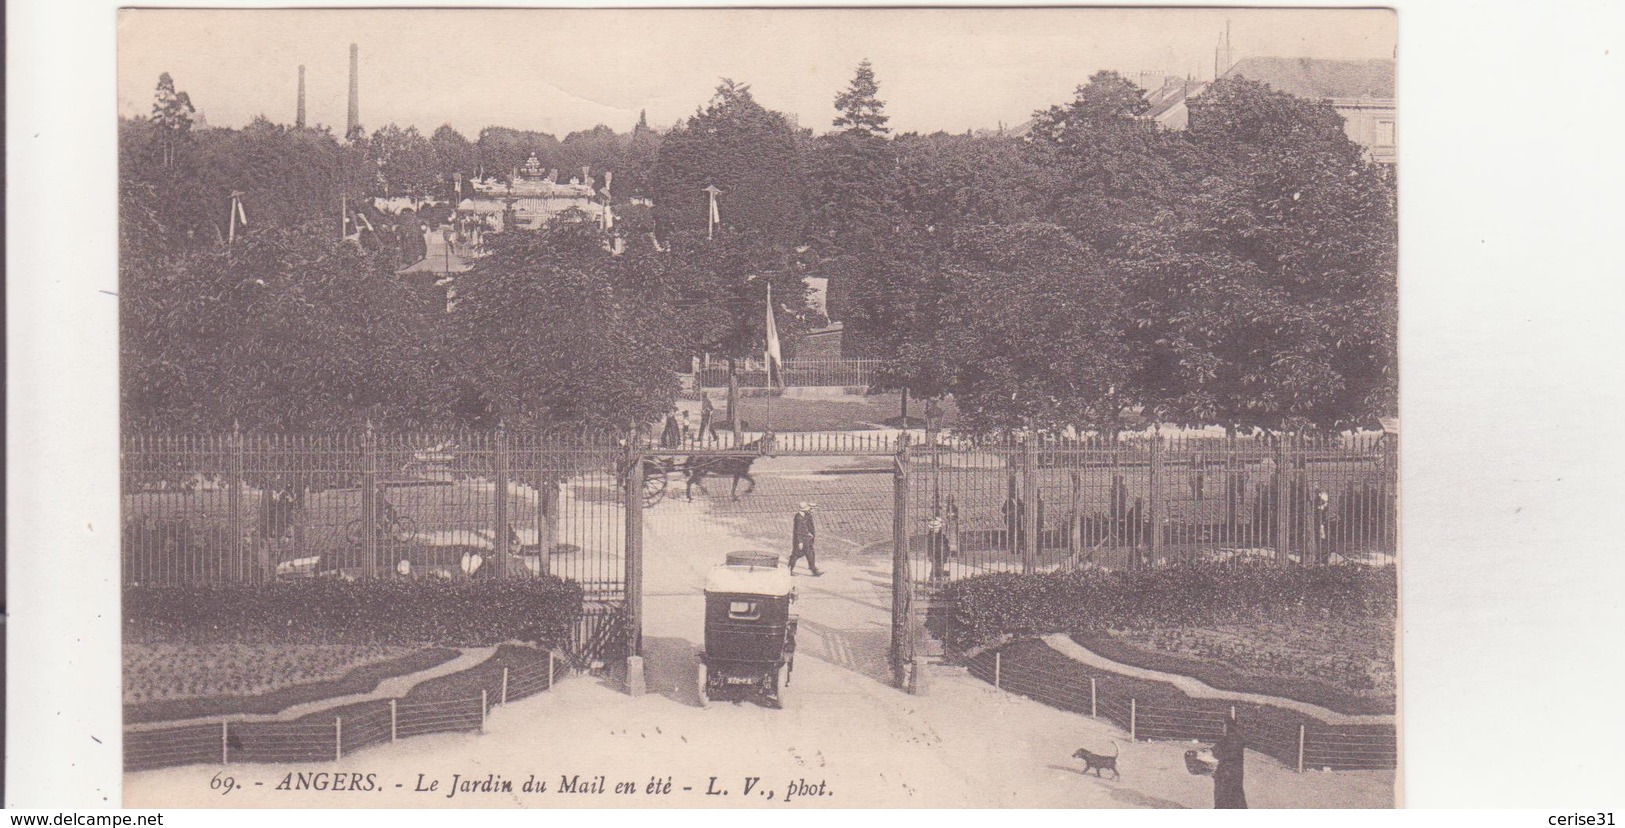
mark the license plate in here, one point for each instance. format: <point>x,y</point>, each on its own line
<point>740,680</point>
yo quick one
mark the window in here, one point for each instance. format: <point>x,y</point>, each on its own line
<point>744,610</point>
<point>1385,133</point>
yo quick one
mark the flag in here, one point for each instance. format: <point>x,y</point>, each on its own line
<point>711,191</point>
<point>773,357</point>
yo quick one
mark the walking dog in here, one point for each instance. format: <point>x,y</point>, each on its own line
<point>1099,762</point>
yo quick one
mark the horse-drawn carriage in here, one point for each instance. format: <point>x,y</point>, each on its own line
<point>655,471</point>
<point>750,635</point>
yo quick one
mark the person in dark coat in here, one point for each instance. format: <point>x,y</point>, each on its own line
<point>671,435</point>
<point>802,535</point>
<point>707,418</point>
<point>1231,751</point>
<point>936,545</point>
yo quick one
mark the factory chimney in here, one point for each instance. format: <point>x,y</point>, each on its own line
<point>353,122</point>
<point>299,116</point>
<point>1223,56</point>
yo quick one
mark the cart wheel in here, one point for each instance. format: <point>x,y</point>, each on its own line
<point>705,693</point>
<point>654,488</point>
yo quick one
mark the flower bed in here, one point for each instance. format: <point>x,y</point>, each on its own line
<point>1340,667</point>
<point>1322,635</point>
<point>987,608</point>
<point>169,681</point>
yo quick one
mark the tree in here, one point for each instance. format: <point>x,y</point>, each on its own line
<point>289,329</point>
<point>940,184</point>
<point>551,332</point>
<point>405,161</point>
<point>502,151</point>
<point>853,209</point>
<point>599,149</point>
<point>172,114</point>
<point>454,158</point>
<point>862,113</point>
<point>1032,335</point>
<point>632,180</point>
<point>1102,169</point>
<point>1264,296</point>
<point>1021,324</point>
<point>745,150</point>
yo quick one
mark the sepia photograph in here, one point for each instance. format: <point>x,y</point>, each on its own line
<point>759,408</point>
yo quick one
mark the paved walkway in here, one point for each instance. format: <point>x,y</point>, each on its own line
<point>390,688</point>
<point>1063,644</point>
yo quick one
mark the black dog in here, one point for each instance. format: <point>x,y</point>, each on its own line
<point>1098,762</point>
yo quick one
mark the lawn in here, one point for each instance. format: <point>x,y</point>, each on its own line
<point>848,413</point>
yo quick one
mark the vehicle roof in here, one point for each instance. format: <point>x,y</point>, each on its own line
<point>749,580</point>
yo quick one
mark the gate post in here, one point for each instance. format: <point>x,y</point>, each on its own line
<point>1032,497</point>
<point>902,638</point>
<point>369,499</point>
<point>235,504</point>
<point>633,483</point>
<point>1154,500</point>
<point>1283,501</point>
<point>500,530</point>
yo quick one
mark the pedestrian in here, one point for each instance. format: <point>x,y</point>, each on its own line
<point>802,535</point>
<point>1231,752</point>
<point>687,431</point>
<point>950,513</point>
<point>1014,510</point>
<point>708,423</point>
<point>671,434</point>
<point>936,545</point>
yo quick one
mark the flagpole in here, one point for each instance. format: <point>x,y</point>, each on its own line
<point>767,356</point>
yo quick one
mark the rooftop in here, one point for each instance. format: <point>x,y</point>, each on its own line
<point>1320,79</point>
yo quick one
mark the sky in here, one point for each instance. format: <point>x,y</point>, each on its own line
<point>561,70</point>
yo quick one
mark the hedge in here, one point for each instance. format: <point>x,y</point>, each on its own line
<point>456,612</point>
<point>977,611</point>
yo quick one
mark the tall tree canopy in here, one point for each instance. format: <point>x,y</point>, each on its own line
<point>742,148</point>
<point>550,330</point>
<point>1265,291</point>
<point>172,115</point>
<point>851,183</point>
<point>862,111</point>
<point>285,330</point>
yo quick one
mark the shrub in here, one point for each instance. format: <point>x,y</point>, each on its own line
<point>452,612</point>
<point>982,609</point>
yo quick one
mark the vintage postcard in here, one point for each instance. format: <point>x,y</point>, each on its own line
<point>760,408</point>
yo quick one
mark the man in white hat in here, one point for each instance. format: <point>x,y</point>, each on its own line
<point>802,534</point>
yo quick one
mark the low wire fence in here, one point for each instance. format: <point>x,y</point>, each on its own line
<point>796,373</point>
<point>328,736</point>
<point>1297,741</point>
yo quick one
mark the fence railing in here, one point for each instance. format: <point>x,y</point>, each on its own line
<point>248,507</point>
<point>1295,740</point>
<point>796,373</point>
<point>326,737</point>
